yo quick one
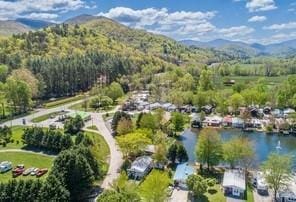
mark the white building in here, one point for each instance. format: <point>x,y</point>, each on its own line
<point>234,183</point>
<point>140,167</point>
<point>288,194</point>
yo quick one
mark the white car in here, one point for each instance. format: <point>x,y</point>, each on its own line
<point>35,171</point>
<point>5,166</point>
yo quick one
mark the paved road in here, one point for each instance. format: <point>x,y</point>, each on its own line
<point>116,160</point>
<point>97,119</point>
<point>179,196</point>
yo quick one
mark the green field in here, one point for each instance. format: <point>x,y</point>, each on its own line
<point>29,160</point>
<point>17,132</point>
<point>80,107</point>
<point>100,150</point>
<point>62,101</point>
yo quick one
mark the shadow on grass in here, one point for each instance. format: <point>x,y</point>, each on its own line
<point>212,191</point>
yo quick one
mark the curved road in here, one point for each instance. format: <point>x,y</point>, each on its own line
<point>115,161</point>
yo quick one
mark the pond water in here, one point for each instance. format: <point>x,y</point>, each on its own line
<point>263,144</point>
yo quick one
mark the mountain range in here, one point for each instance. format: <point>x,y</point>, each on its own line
<point>232,48</point>
<point>237,47</point>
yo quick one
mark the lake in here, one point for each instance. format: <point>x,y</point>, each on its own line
<point>263,144</point>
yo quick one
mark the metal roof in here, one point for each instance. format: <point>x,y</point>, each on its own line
<point>234,178</point>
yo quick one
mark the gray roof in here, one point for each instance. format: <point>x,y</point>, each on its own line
<point>234,178</point>
<point>141,164</point>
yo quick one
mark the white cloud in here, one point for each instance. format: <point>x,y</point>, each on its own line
<point>20,8</point>
<point>260,5</point>
<point>42,16</point>
<point>257,19</point>
<point>236,31</point>
<point>180,24</point>
<point>284,26</point>
<point>280,37</point>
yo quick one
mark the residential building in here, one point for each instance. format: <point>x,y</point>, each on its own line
<point>140,167</point>
<point>234,183</point>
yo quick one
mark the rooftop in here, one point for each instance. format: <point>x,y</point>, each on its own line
<point>141,164</point>
<point>234,178</point>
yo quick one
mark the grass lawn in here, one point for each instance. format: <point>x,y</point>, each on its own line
<point>80,107</point>
<point>214,194</point>
<point>29,160</point>
<point>62,101</point>
<point>250,195</point>
<point>17,132</point>
<point>92,127</point>
<point>100,150</point>
<point>46,116</point>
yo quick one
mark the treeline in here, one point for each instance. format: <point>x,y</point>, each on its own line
<point>64,76</point>
<point>50,140</point>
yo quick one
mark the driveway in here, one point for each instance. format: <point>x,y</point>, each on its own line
<point>260,198</point>
<point>179,196</point>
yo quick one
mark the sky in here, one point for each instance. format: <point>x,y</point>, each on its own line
<point>251,21</point>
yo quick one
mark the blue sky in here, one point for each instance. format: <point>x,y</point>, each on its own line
<point>262,21</point>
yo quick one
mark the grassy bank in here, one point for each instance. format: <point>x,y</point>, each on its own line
<point>62,101</point>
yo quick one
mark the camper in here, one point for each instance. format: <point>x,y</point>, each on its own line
<point>5,166</point>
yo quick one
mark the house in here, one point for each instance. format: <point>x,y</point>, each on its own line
<point>227,121</point>
<point>234,183</point>
<point>277,113</point>
<point>5,166</point>
<point>140,167</point>
<point>196,121</point>
<point>183,170</point>
<point>288,194</point>
<point>237,122</point>
<point>229,82</point>
<point>166,106</point>
<point>214,121</point>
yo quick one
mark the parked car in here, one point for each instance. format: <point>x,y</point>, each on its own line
<point>18,170</point>
<point>28,171</point>
<point>34,172</point>
<point>5,166</point>
<point>41,172</point>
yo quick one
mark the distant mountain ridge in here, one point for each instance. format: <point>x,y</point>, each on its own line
<point>283,48</point>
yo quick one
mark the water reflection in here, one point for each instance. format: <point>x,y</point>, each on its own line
<point>263,144</point>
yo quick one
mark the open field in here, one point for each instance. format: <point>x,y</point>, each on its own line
<point>62,101</point>
<point>29,160</point>
<point>16,143</point>
<point>81,107</point>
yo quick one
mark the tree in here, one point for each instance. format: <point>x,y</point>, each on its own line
<point>5,135</point>
<point>74,171</point>
<point>149,121</point>
<point>74,125</point>
<point>113,196</point>
<point>114,91</point>
<point>154,187</point>
<point>177,152</point>
<point>206,80</point>
<point>209,147</point>
<point>18,94</point>
<point>236,101</point>
<point>197,184</point>
<point>160,154</point>
<point>238,151</point>
<point>117,117</point>
<point>277,171</point>
<point>26,76</point>
<point>133,143</point>
<point>53,190</point>
<point>178,121</point>
<point>124,126</point>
